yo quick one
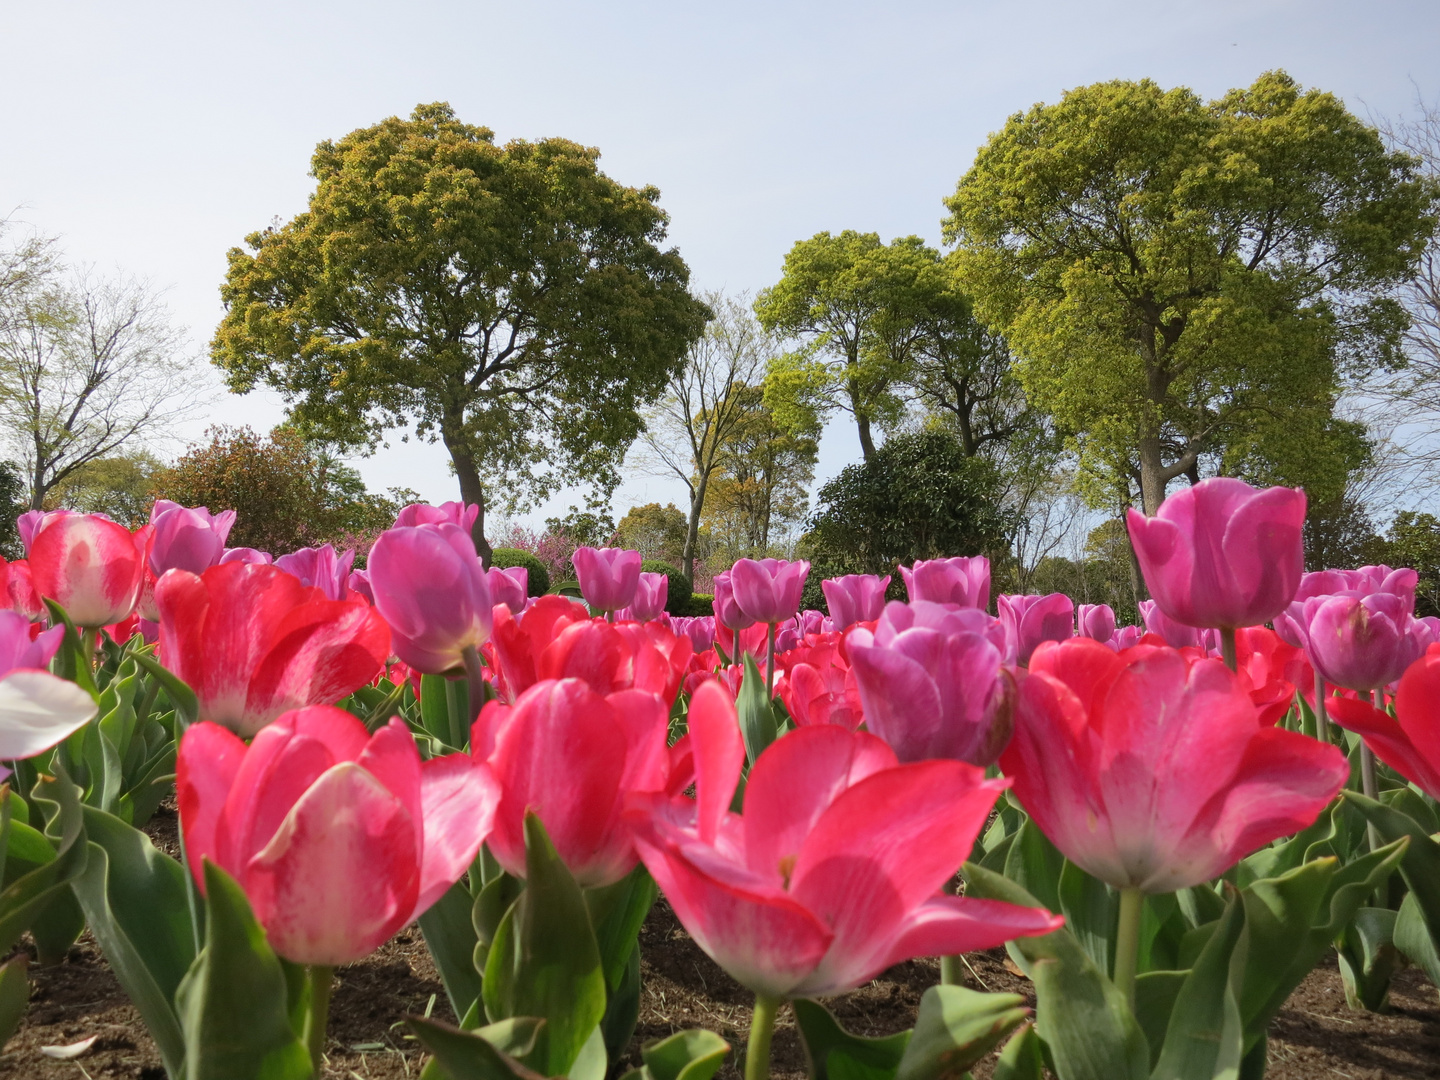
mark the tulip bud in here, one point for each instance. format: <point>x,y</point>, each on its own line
<point>855,598</point>
<point>1029,620</point>
<point>1096,621</point>
<point>510,586</point>
<point>651,592</point>
<point>768,590</point>
<point>431,589</point>
<point>727,611</point>
<point>88,564</point>
<point>608,576</point>
<point>963,581</point>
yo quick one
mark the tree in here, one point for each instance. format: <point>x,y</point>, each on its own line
<point>657,532</point>
<point>88,365</point>
<point>1179,277</point>
<point>920,497</point>
<point>119,487</point>
<point>687,432</point>
<point>512,302</point>
<point>1414,541</point>
<point>287,492</point>
<point>12,505</point>
<point>854,301</point>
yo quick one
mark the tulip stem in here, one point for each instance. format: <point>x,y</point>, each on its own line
<point>1322,718</point>
<point>320,978</point>
<point>1367,773</point>
<point>770,664</point>
<point>1127,944</point>
<point>950,971</point>
<point>757,1050</point>
<point>1227,647</point>
<point>476,678</point>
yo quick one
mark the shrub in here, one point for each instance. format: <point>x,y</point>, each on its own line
<point>700,604</point>
<point>678,591</point>
<point>539,576</point>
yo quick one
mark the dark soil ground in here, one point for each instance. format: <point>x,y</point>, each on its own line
<point>1315,1036</point>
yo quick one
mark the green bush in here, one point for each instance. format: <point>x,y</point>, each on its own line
<point>677,592</point>
<point>505,558</point>
<point>701,603</point>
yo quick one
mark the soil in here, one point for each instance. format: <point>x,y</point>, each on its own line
<point>1315,1035</point>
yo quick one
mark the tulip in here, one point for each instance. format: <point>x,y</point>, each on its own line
<point>182,538</point>
<point>1126,637</point>
<point>359,583</point>
<point>855,598</point>
<point>1029,620</point>
<point>1176,635</point>
<point>247,555</point>
<point>727,611</point>
<point>930,682</point>
<point>30,523</point>
<point>320,567</point>
<point>1275,670</point>
<point>17,589</point>
<point>608,576</point>
<point>338,837</point>
<point>1290,624</point>
<point>37,709</point>
<point>1222,554</point>
<point>510,586</point>
<point>832,874</point>
<point>651,592</point>
<point>1360,642</point>
<point>700,629</point>
<point>432,590</point>
<point>963,581</point>
<point>88,564</point>
<point>253,642</point>
<point>453,513</point>
<point>572,756</point>
<point>1095,621</point>
<point>768,590</point>
<point>19,650</point>
<point>818,684</point>
<point>1410,742</point>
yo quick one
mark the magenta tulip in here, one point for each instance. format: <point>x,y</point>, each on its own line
<point>90,565</point>
<point>833,873</point>
<point>431,589</point>
<point>1222,554</point>
<point>768,590</point>
<point>608,576</point>
<point>1126,637</point>
<point>320,568</point>
<point>19,650</point>
<point>1176,635</point>
<point>727,611</point>
<point>509,585</point>
<point>961,580</point>
<point>249,556</point>
<point>1360,642</point>
<point>453,513</point>
<point>338,837</point>
<point>359,583</point>
<point>187,538</point>
<point>931,683</point>
<point>1290,624</point>
<point>651,593</point>
<point>855,598</point>
<point>1029,620</point>
<point>700,629</point>
<point>1095,621</point>
<point>572,756</point>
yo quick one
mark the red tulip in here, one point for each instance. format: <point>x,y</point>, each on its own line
<point>1029,620</point>
<point>17,589</point>
<point>963,581</point>
<point>1410,742</point>
<point>572,755</point>
<point>1222,554</point>
<point>855,598</point>
<point>1153,773</point>
<point>338,837</point>
<point>93,567</point>
<point>768,590</point>
<point>833,873</point>
<point>252,642</point>
<point>818,685</point>
<point>608,576</point>
<point>432,590</point>
<point>518,641</point>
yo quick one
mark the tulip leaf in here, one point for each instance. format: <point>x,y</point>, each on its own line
<point>955,1028</point>
<point>1368,958</point>
<point>70,660</point>
<point>622,1007</point>
<point>14,996</point>
<point>233,1002</point>
<point>832,1053</point>
<point>1421,865</point>
<point>1205,1037</point>
<point>544,960</point>
<point>694,1054</point>
<point>1080,1015</point>
<point>1021,1059</point>
<point>617,913</point>
<point>757,718</point>
<point>134,898</point>
<point>1035,864</point>
<point>1155,995</point>
<point>29,895</point>
<point>471,1055</point>
<point>591,1062</point>
<point>1092,913</point>
<point>1413,938</point>
<point>187,705</point>
<point>450,937</point>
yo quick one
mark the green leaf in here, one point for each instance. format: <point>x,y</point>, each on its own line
<point>1092,913</point>
<point>135,900</point>
<point>435,707</point>
<point>491,903</point>
<point>617,912</point>
<point>1413,938</point>
<point>470,1055</point>
<point>1421,865</point>
<point>187,706</point>
<point>1155,994</point>
<point>233,1002</point>
<point>14,996</point>
<point>70,660</point>
<point>757,719</point>
<point>591,1062</point>
<point>1368,958</point>
<point>1205,1037</point>
<point>1035,864</point>
<point>544,960</point>
<point>450,937</point>
<point>955,1028</point>
<point>29,895</point>
<point>1021,1059</point>
<point>622,1008</point>
<point>694,1054</point>
<point>832,1052</point>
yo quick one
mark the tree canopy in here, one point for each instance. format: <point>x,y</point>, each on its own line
<point>512,301</point>
<point>1187,281</point>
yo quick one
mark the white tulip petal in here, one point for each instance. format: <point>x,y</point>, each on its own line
<point>74,1050</point>
<point>37,710</point>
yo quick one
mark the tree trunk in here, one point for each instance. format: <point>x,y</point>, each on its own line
<point>692,529</point>
<point>471,491</point>
<point>1152,474</point>
<point>867,446</point>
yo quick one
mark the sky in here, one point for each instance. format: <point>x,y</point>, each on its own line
<point>152,137</point>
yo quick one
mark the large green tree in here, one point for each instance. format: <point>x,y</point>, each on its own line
<point>1182,278</point>
<point>512,301</point>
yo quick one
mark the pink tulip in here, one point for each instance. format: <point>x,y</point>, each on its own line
<point>1222,554</point>
<point>700,629</point>
<point>1126,637</point>
<point>321,568</point>
<point>651,592</point>
<point>768,590</point>
<point>572,756</point>
<point>1153,773</point>
<point>30,523</point>
<point>727,611</point>
<point>1029,620</point>
<point>1095,621</point>
<point>1176,635</point>
<point>833,873</point>
<point>183,538</point>
<point>855,598</point>
<point>249,556</point>
<point>453,513</point>
<point>510,586</point>
<point>17,589</point>
<point>432,590</point>
<point>90,565</point>
<point>608,576</point>
<point>930,682</point>
<point>963,581</point>
<point>338,837</point>
<point>19,650</point>
<point>252,642</point>
<point>1360,642</point>
<point>1291,623</point>
<point>1410,742</point>
<point>359,583</point>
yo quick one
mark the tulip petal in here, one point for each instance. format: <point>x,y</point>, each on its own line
<point>38,710</point>
<point>1388,740</point>
<point>459,798</point>
<point>205,770</point>
<point>342,873</point>
<point>392,758</point>
<point>719,755</point>
<point>1417,703</point>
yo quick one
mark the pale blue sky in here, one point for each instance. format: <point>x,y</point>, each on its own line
<point>154,136</point>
